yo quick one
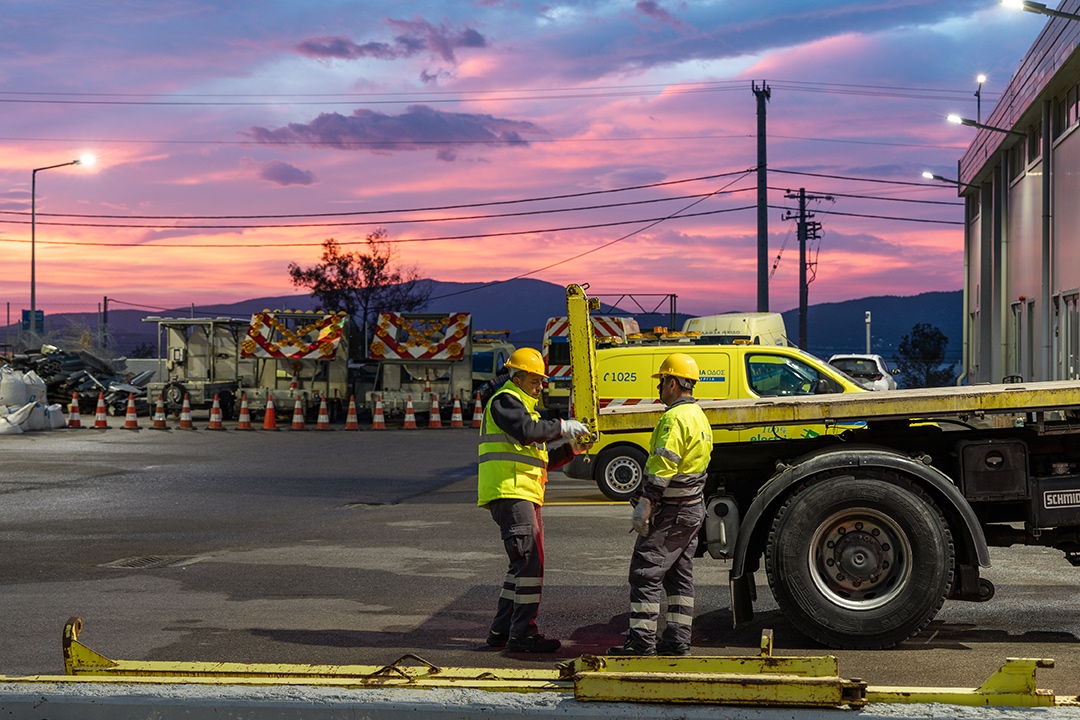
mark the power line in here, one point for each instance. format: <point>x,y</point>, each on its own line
<point>396,241</point>
<point>463,206</point>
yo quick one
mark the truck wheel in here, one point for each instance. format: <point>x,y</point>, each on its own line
<point>620,472</point>
<point>860,563</point>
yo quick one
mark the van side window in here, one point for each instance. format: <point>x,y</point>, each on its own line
<point>775,375</point>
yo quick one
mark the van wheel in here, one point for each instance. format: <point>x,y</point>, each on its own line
<point>620,472</point>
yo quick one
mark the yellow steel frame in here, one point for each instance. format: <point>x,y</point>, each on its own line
<point>764,679</point>
<point>919,404</point>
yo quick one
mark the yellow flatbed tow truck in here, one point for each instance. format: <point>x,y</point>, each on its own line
<point>864,534</point>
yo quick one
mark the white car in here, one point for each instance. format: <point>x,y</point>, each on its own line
<point>871,371</point>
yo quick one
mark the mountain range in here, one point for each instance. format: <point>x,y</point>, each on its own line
<point>523,306</point>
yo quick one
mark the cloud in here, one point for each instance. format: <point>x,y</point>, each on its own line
<point>419,126</point>
<point>414,36</point>
<point>282,173</point>
<point>652,9</point>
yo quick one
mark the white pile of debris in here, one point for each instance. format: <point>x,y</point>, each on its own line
<point>24,406</point>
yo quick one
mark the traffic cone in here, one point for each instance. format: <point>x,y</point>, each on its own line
<point>323,421</point>
<point>351,421</point>
<point>410,418</point>
<point>294,385</point>
<point>478,412</point>
<point>378,420</point>
<point>434,417</point>
<point>244,422</point>
<point>159,415</point>
<point>270,418</point>
<point>74,421</point>
<point>455,416</point>
<point>100,421</point>
<point>427,382</point>
<point>131,420</point>
<point>215,415</point>
<point>298,415</point>
<point>185,415</point>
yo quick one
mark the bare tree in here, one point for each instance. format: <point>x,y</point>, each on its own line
<point>363,283</point>
<point>922,358</point>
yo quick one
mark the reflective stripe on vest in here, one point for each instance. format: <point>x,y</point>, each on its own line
<point>507,469</point>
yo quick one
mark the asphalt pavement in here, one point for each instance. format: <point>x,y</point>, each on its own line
<point>359,547</point>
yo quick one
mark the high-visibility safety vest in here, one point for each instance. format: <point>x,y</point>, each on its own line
<point>681,448</point>
<point>507,469</point>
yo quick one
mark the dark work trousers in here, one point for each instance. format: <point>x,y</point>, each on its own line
<point>663,563</point>
<point>522,530</point>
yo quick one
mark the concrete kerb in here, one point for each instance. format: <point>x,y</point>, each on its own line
<point>90,701</point>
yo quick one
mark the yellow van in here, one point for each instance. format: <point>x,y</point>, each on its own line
<point>624,377</point>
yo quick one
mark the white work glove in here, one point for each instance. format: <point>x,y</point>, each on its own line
<point>573,429</point>
<point>642,512</point>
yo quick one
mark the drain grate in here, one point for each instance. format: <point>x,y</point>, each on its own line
<point>148,562</point>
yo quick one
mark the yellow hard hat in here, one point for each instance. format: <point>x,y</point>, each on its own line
<point>529,360</point>
<point>678,365</point>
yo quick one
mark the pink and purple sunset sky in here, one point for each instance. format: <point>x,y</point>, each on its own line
<point>212,120</point>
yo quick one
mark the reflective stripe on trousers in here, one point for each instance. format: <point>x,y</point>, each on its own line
<point>662,567</point>
<point>522,529</point>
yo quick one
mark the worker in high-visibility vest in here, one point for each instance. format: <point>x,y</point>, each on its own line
<point>668,515</point>
<point>514,461</point>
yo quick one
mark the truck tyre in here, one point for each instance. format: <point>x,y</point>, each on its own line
<point>620,472</point>
<point>860,562</point>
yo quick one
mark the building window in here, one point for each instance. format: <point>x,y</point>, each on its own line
<point>1070,338</point>
<point>973,206</point>
<point>1034,141</point>
<point>1017,160</point>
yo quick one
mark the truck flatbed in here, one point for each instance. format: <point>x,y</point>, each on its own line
<point>921,403</point>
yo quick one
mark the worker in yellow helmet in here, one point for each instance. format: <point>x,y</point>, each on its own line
<point>668,515</point>
<point>514,461</point>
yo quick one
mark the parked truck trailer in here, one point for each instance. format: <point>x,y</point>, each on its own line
<point>864,535</point>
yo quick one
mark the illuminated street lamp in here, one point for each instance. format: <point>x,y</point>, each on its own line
<point>84,160</point>
<point>941,178</point>
<point>978,97</point>
<point>1040,8</point>
<point>975,124</point>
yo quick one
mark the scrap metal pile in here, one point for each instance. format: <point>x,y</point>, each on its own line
<point>84,374</point>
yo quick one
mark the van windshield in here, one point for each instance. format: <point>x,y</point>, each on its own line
<point>559,352</point>
<point>775,375</point>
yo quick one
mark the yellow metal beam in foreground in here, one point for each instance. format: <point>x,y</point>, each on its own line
<point>764,679</point>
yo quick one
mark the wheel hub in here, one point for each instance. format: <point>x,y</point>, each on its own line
<point>859,556</point>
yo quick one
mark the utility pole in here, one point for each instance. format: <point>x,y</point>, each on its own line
<point>762,94</point>
<point>807,230</point>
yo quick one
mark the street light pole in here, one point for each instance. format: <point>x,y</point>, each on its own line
<point>978,97</point>
<point>1039,8</point>
<point>33,240</point>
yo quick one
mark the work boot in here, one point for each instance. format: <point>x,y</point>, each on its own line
<point>631,647</point>
<point>673,649</point>
<point>533,644</point>
<point>496,639</point>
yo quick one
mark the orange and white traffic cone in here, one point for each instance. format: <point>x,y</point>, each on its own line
<point>456,421</point>
<point>244,421</point>
<point>478,412</point>
<point>270,416</point>
<point>322,422</point>
<point>298,415</point>
<point>215,415</point>
<point>159,415</point>
<point>131,420</point>
<point>74,421</point>
<point>378,420</point>
<point>295,384</point>
<point>410,417</point>
<point>351,421</point>
<point>427,382</point>
<point>185,415</point>
<point>101,422</point>
<point>435,417</point>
